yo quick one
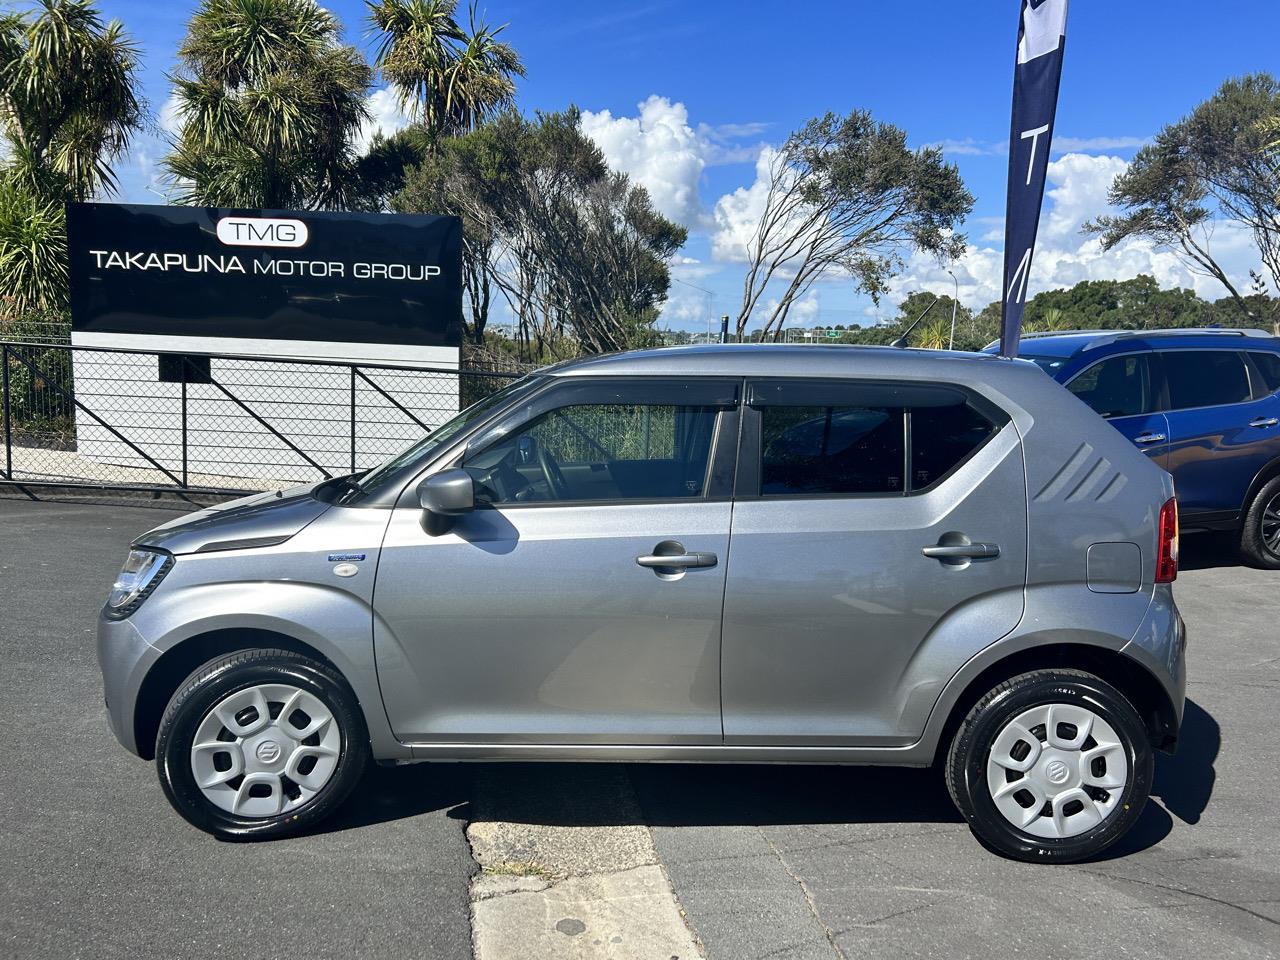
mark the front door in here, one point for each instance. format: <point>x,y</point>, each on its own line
<point>581,602</point>
<point>869,522</point>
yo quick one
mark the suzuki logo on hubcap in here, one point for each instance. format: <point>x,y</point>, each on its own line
<point>1056,771</point>
<point>268,751</point>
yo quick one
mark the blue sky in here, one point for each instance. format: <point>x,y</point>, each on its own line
<point>719,80</point>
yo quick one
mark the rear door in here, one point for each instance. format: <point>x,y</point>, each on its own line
<point>1220,436</point>
<point>1124,390</point>
<point>844,487</point>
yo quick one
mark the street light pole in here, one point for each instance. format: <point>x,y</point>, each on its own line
<point>955,302</point>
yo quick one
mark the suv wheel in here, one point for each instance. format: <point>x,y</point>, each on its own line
<point>260,744</point>
<point>1260,535</point>
<point>1051,766</point>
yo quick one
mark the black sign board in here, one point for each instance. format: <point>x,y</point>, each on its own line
<point>265,274</point>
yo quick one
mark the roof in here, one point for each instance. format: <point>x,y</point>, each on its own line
<point>777,359</point>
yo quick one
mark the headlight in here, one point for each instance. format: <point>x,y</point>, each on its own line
<point>142,572</point>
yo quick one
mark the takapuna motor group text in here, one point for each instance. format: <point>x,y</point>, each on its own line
<point>262,266</point>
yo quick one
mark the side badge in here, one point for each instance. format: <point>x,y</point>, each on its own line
<point>346,569</point>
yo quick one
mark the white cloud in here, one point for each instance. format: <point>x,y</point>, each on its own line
<point>658,150</point>
<point>1077,192</point>
<point>170,119</point>
<point>385,117</point>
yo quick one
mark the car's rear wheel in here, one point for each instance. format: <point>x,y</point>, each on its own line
<point>260,744</point>
<point>1051,766</point>
<point>1260,534</point>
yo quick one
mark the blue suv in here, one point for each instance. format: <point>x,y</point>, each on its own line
<point>1202,403</point>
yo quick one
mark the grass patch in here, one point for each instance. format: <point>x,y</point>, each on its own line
<point>518,868</point>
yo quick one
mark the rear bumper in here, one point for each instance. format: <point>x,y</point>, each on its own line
<point>1160,645</point>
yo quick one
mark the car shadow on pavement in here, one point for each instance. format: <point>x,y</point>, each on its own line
<point>1209,550</point>
<point>388,793</point>
<point>1183,784</point>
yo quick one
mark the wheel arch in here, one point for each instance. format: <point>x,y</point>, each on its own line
<point>181,660</point>
<point>1133,680</point>
<point>1261,479</point>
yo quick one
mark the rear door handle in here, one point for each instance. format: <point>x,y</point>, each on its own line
<point>1149,438</point>
<point>1264,422</point>
<point>962,551</point>
<point>678,560</point>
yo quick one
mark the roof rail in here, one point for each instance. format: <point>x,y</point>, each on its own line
<point>1111,336</point>
<point>1115,335</point>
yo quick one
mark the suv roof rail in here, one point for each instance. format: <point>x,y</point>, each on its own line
<point>1111,336</point>
<point>1115,335</point>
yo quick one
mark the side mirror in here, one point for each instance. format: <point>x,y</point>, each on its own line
<point>447,494</point>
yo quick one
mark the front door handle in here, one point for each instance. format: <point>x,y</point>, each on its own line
<point>678,560</point>
<point>1264,422</point>
<point>1149,438</point>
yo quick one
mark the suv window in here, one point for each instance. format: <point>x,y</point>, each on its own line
<point>1205,378</point>
<point>1268,365</point>
<point>810,450</point>
<point>1117,386</point>
<point>585,452</point>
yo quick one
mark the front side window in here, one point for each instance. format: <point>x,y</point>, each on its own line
<point>1205,378</point>
<point>1117,386</point>
<point>599,452</point>
<point>810,450</point>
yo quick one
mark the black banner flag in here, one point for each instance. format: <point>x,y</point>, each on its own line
<point>1041,38</point>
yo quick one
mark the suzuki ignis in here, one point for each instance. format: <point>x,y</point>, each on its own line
<point>740,553</point>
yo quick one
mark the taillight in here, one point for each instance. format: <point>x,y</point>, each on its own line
<point>1167,543</point>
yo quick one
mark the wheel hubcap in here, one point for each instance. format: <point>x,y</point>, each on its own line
<point>1271,525</point>
<point>1057,770</point>
<point>265,749</point>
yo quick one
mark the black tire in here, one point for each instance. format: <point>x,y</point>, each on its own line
<point>219,678</point>
<point>966,766</point>
<point>1253,543</point>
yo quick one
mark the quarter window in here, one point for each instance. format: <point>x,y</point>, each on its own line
<point>1268,366</point>
<point>942,438</point>
<point>1117,386</point>
<point>620,451</point>
<point>1205,378</point>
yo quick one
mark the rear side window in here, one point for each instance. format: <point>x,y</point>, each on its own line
<point>1268,366</point>
<point>1205,378</point>
<point>809,450</point>
<point>910,440</point>
<point>1117,386</point>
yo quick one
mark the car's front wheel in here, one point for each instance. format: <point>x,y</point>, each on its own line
<point>1260,533</point>
<point>260,744</point>
<point>1051,766</point>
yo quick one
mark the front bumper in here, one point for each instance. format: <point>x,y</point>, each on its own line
<point>124,658</point>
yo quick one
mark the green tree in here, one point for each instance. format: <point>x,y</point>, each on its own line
<point>68,98</point>
<point>270,102</point>
<point>450,79</point>
<point>576,251</point>
<point>1214,161</point>
<point>845,195</point>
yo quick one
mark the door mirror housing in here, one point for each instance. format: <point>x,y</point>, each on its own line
<point>445,495</point>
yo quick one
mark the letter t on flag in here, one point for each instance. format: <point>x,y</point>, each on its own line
<point>1037,73</point>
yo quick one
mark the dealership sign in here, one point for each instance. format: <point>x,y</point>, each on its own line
<point>265,274</point>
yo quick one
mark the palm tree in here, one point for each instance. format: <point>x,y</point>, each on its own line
<point>270,102</point>
<point>448,79</point>
<point>68,98</point>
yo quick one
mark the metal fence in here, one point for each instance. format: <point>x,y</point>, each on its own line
<point>212,423</point>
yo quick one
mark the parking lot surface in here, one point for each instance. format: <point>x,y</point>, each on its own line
<point>779,862</point>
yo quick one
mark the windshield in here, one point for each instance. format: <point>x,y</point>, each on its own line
<point>423,448</point>
<point>1050,365</point>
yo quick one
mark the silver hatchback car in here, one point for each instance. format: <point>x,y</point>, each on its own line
<point>739,553</point>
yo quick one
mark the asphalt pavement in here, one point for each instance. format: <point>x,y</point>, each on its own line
<point>777,862</point>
